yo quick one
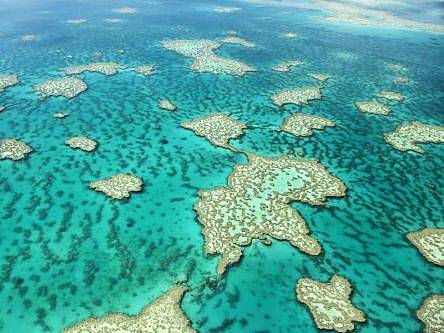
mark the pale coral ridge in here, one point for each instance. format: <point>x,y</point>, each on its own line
<point>352,14</point>
<point>286,66</point>
<point>217,128</point>
<point>13,149</point>
<point>66,87</point>
<point>205,60</point>
<point>319,77</point>
<point>255,204</point>
<point>329,303</point>
<point>373,107</point>
<point>7,81</point>
<point>119,186</point>
<point>431,314</point>
<point>406,136</point>
<point>301,124</point>
<point>82,142</point>
<point>166,104</point>
<point>222,9</point>
<point>162,315</point>
<point>390,95</point>
<point>296,96</point>
<point>145,70</point>
<point>430,242</point>
<point>107,68</point>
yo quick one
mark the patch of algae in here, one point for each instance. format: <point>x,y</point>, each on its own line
<point>300,124</point>
<point>392,96</point>
<point>67,87</point>
<point>217,128</point>
<point>431,314</point>
<point>7,81</point>
<point>205,60</point>
<point>107,68</point>
<point>373,107</point>
<point>255,204</point>
<point>13,149</point>
<point>82,142</point>
<point>329,303</point>
<point>430,242</point>
<point>237,40</point>
<point>119,186</point>
<point>286,66</point>
<point>162,315</point>
<point>406,136</point>
<point>296,96</point>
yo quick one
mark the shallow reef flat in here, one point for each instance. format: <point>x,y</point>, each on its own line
<point>237,40</point>
<point>225,9</point>
<point>79,21</point>
<point>354,14</point>
<point>292,35</point>
<point>107,68</point>
<point>296,96</point>
<point>329,303</point>
<point>430,242</point>
<point>7,81</point>
<point>162,315</point>
<point>390,95</point>
<point>401,79</point>
<point>205,60</point>
<point>406,136</point>
<point>13,149</point>
<point>301,124</point>
<point>68,87</point>
<point>373,107</point>
<point>82,142</point>
<point>255,204</point>
<point>431,314</point>
<point>286,66</point>
<point>125,10</point>
<point>2,108</point>
<point>119,186</point>
<point>217,128</point>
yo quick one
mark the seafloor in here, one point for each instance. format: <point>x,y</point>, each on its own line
<point>68,253</point>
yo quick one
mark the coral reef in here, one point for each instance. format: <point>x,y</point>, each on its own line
<point>286,66</point>
<point>82,142</point>
<point>205,60</point>
<point>7,81</point>
<point>67,87</point>
<point>296,96</point>
<point>329,303</point>
<point>162,315</point>
<point>391,96</point>
<point>107,68</point>
<point>255,204</point>
<point>237,40</point>
<point>430,242</point>
<point>119,186</point>
<point>373,107</point>
<point>319,77</point>
<point>217,128</point>
<point>145,70</point>
<point>301,124</point>
<point>406,136</point>
<point>431,314</point>
<point>166,104</point>
<point>13,149</point>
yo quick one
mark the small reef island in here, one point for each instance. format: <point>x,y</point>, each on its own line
<point>300,124</point>
<point>430,242</point>
<point>162,315</point>
<point>68,87</point>
<point>296,96</point>
<point>118,187</point>
<point>13,149</point>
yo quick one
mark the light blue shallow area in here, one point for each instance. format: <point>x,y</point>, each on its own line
<point>68,253</point>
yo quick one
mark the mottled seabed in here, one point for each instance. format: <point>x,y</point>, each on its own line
<point>68,252</point>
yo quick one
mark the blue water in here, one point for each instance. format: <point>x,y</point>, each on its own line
<point>68,253</point>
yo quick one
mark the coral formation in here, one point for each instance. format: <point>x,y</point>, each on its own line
<point>373,107</point>
<point>66,87</point>
<point>296,96</point>
<point>82,142</point>
<point>13,149</point>
<point>301,124</point>
<point>286,66</point>
<point>119,186</point>
<point>237,40</point>
<point>7,81</point>
<point>166,104</point>
<point>107,68</point>
<point>391,96</point>
<point>431,314</point>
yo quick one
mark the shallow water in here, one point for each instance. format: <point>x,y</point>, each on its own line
<point>67,252</point>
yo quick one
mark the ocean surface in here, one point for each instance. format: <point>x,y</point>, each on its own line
<point>68,252</point>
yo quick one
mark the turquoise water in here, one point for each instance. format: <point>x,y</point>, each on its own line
<point>67,253</point>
